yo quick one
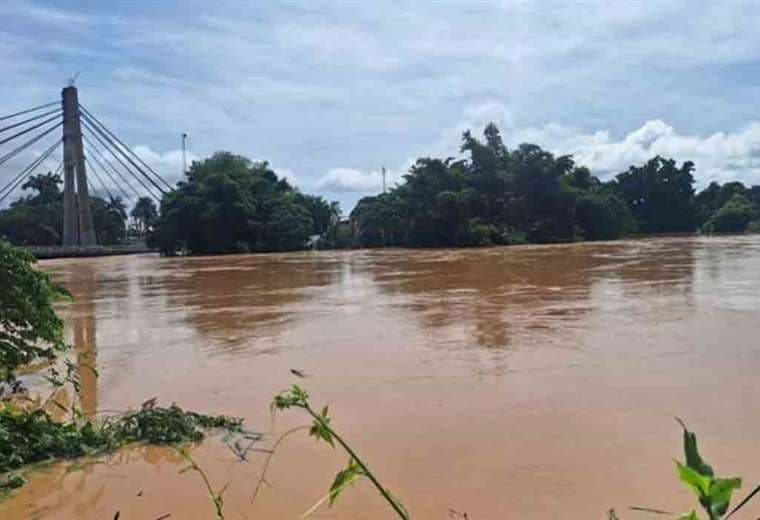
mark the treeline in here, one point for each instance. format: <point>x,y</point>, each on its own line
<point>37,218</point>
<point>501,196</point>
<point>494,195</point>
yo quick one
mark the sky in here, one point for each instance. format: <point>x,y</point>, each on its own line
<point>329,93</point>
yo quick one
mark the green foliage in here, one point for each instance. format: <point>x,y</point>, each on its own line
<point>496,196</point>
<point>714,493</point>
<point>603,216</point>
<point>31,436</point>
<point>501,196</point>
<point>228,204</point>
<point>321,429</point>
<point>37,219</point>
<point>660,195</point>
<point>30,330</point>
<point>144,213</point>
<point>345,478</point>
<point>733,217</point>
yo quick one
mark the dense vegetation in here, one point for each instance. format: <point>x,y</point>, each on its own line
<point>144,215</point>
<point>30,330</point>
<point>494,195</point>
<point>37,219</point>
<point>228,203</point>
<point>501,196</point>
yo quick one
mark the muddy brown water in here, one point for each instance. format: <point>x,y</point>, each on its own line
<point>524,382</point>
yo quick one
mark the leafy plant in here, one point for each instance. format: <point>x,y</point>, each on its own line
<point>322,430</point>
<point>30,330</point>
<point>31,436</point>
<point>714,493</point>
<point>217,497</point>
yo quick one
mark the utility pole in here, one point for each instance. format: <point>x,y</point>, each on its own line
<point>78,228</point>
<point>383,179</point>
<point>184,154</point>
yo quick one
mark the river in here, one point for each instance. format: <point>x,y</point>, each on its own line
<point>523,382</point>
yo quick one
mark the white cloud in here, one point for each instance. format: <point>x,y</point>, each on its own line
<point>720,156</point>
<point>168,164</point>
<point>350,180</point>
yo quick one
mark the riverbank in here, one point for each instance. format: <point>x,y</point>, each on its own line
<point>47,252</point>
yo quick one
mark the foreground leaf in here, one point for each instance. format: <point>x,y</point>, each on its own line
<point>700,484</point>
<point>720,493</point>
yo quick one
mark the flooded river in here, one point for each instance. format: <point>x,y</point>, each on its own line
<point>525,382</point>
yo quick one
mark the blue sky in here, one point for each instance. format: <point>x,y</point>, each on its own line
<point>329,93</point>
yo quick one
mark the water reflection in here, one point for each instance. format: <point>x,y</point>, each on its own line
<point>242,299</point>
<point>494,296</point>
<point>85,338</point>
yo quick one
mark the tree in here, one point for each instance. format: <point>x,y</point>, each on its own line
<point>37,219</point>
<point>603,216</point>
<point>229,203</point>
<point>733,217</point>
<point>110,218</point>
<point>30,329</point>
<point>46,187</point>
<point>494,196</point>
<point>660,195</point>
<point>144,213</point>
<point>323,213</point>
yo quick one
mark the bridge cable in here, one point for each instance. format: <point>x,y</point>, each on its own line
<point>123,154</point>
<point>98,156</point>
<point>5,158</point>
<point>107,147</point>
<point>100,180</point>
<point>26,131</point>
<point>110,177</point>
<point>11,116</point>
<point>32,166</point>
<point>13,184</point>
<point>60,166</point>
<point>108,136</point>
<point>94,119</point>
<point>25,121</point>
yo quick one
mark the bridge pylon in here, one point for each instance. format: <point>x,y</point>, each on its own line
<point>78,229</point>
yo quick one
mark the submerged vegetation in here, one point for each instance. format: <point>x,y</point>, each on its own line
<point>31,436</point>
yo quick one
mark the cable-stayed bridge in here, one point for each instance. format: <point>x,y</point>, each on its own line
<point>88,151</point>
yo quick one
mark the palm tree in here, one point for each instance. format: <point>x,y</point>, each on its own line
<point>144,213</point>
<point>116,204</point>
